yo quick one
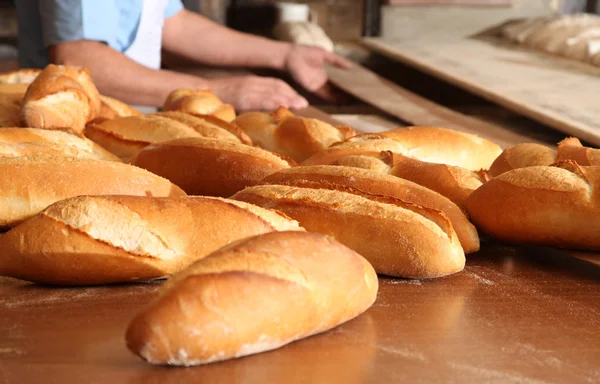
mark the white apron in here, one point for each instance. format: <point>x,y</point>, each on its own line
<point>146,46</point>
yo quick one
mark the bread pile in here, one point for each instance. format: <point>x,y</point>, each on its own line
<point>574,36</point>
<point>284,217</point>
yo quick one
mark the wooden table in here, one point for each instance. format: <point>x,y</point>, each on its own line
<point>515,315</point>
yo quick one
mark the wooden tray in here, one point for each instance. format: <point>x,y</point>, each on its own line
<point>557,92</point>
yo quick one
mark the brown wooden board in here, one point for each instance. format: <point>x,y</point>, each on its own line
<point>558,92</point>
<point>515,315</point>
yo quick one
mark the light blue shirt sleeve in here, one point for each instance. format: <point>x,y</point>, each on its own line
<point>67,20</point>
<point>173,7</point>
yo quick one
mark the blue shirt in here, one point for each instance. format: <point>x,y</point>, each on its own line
<point>43,23</point>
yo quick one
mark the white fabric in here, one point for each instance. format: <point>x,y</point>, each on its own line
<point>146,47</point>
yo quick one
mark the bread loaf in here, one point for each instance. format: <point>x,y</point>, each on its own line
<point>203,127</point>
<point>13,93</point>
<point>112,108</point>
<point>367,184</point>
<point>253,296</point>
<point>399,239</point>
<point>455,183</point>
<point>41,149</point>
<point>541,205</point>
<point>237,131</point>
<point>572,149</point>
<point>522,155</point>
<point>209,167</point>
<point>383,163</point>
<point>19,76</point>
<point>435,145</point>
<point>361,145</point>
<point>55,137</point>
<point>202,102</point>
<point>126,136</point>
<point>109,239</point>
<point>61,97</point>
<point>289,135</point>
<point>10,114</point>
<point>30,184</point>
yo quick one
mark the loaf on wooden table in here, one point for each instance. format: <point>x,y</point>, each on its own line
<point>110,239</point>
<point>399,239</point>
<point>209,167</point>
<point>30,184</point>
<point>435,145</point>
<point>292,136</point>
<point>367,184</point>
<point>572,149</point>
<point>20,76</point>
<point>61,97</point>
<point>55,137</point>
<point>555,206</point>
<point>202,126</point>
<point>10,114</point>
<point>202,102</point>
<point>126,136</point>
<point>521,156</point>
<point>455,183</point>
<point>253,296</point>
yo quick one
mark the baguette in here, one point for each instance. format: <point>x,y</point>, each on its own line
<point>289,135</point>
<point>399,239</point>
<point>61,97</point>
<point>455,183</point>
<point>572,149</point>
<point>10,114</point>
<point>41,149</point>
<point>272,290</point>
<point>434,145</point>
<point>110,239</point>
<point>126,136</point>
<point>209,167</point>
<point>30,184</point>
<point>369,184</point>
<point>202,102</point>
<point>19,76</point>
<point>521,156</point>
<point>203,127</point>
<point>237,131</point>
<point>55,137</point>
<point>554,206</point>
<point>112,108</point>
<point>383,163</point>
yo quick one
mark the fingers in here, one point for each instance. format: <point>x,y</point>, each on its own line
<point>337,60</point>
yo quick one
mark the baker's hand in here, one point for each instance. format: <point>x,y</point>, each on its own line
<point>254,93</point>
<point>307,65</point>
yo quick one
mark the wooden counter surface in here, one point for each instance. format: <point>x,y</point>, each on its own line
<point>515,315</point>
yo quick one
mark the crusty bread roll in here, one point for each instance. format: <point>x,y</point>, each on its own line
<point>383,163</point>
<point>55,137</point>
<point>202,126</point>
<point>30,184</point>
<point>202,102</point>
<point>61,97</point>
<point>455,183</point>
<point>13,93</point>
<point>522,155</point>
<point>126,136</point>
<point>434,145</point>
<point>399,239</point>
<point>109,239</point>
<point>20,76</point>
<point>10,114</point>
<point>209,167</point>
<point>237,131</point>
<point>366,183</point>
<point>572,149</point>
<point>42,149</point>
<point>289,135</point>
<point>542,205</point>
<point>253,296</point>
<point>112,108</point>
